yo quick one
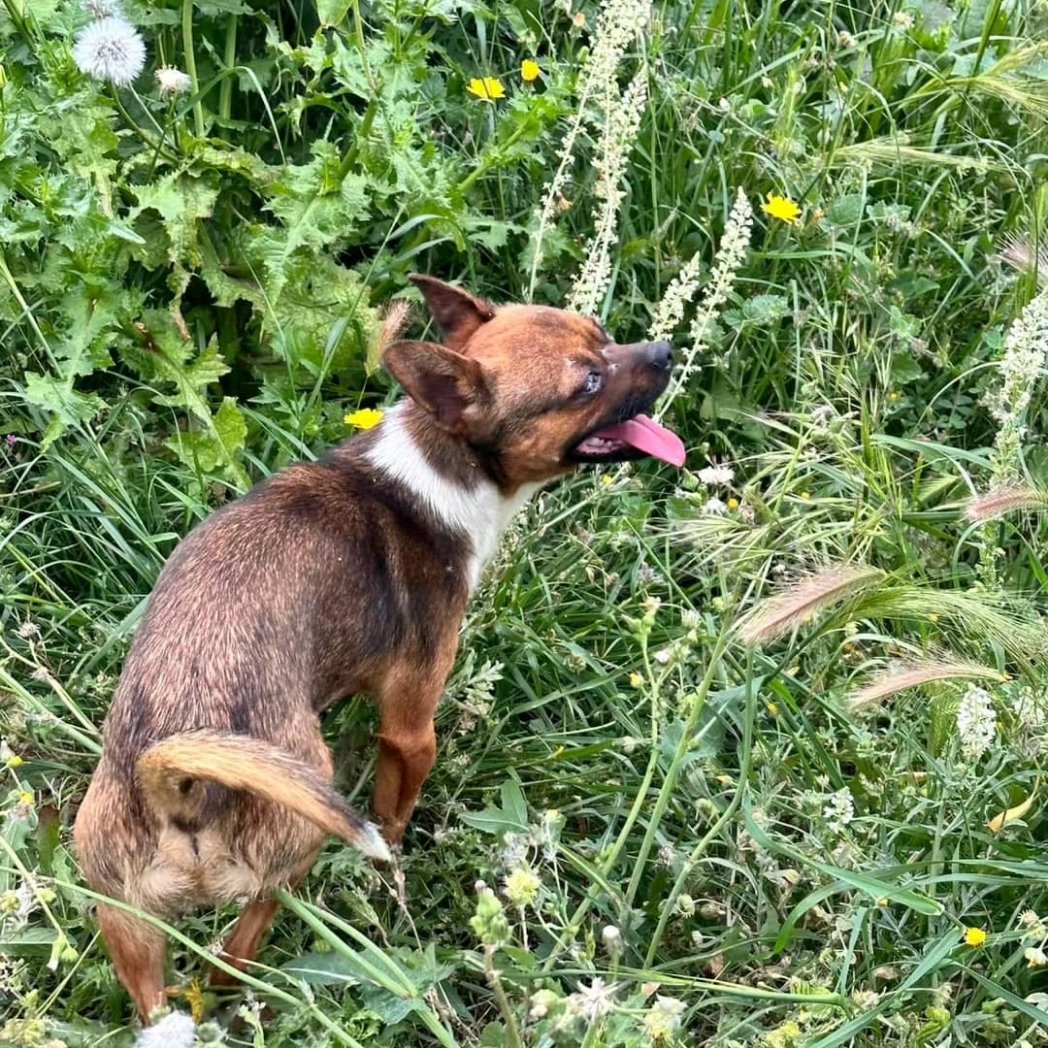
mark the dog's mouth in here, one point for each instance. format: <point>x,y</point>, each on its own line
<point>637,437</point>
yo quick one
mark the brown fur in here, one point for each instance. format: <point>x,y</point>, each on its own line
<point>328,579</point>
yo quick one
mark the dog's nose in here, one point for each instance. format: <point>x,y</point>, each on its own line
<point>660,355</point>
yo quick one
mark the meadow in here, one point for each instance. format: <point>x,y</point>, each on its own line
<point>748,754</point>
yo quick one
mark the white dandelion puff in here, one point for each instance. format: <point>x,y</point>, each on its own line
<point>110,49</point>
<point>172,81</point>
<point>663,1018</point>
<point>976,722</point>
<point>175,1030</point>
<point>714,507</point>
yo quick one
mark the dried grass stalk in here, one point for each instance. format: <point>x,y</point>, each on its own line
<point>902,677</point>
<point>804,600</point>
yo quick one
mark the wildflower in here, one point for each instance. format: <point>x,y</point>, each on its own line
<point>612,938</point>
<point>839,811</point>
<point>25,798</point>
<point>1025,349</point>
<point>1035,957</point>
<point>845,39</point>
<point>663,1018</point>
<point>714,508</point>
<point>175,1030</point>
<point>579,20</point>
<point>714,475</point>
<point>903,19</point>
<point>110,49</point>
<point>542,1002</point>
<point>726,263</point>
<point>10,439</point>
<point>592,1002</point>
<point>365,418</point>
<point>802,601</point>
<point>636,680</point>
<point>29,630</point>
<point>622,122</point>
<point>732,504</point>
<point>974,937</point>
<point>782,208</point>
<point>487,89</point>
<point>172,81</point>
<point>529,70</point>
<point>976,722</point>
<point>522,887</point>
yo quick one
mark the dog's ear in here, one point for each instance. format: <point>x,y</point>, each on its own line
<point>458,313</point>
<point>452,387</point>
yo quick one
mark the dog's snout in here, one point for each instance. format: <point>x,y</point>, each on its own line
<point>660,355</point>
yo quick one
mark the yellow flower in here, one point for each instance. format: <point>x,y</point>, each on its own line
<point>522,887</point>
<point>487,89</point>
<point>733,503</point>
<point>933,616</point>
<point>974,936</point>
<point>529,70</point>
<point>636,680</point>
<point>25,798</point>
<point>365,418</point>
<point>782,208</point>
<point>14,761</point>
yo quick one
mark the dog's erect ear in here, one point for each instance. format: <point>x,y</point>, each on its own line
<point>458,313</point>
<point>451,387</point>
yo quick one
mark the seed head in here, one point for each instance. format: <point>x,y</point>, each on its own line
<point>110,49</point>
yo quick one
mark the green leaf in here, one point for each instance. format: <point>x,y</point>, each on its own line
<point>332,12</point>
<point>511,817</point>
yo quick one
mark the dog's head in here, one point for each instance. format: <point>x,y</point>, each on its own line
<point>536,390</point>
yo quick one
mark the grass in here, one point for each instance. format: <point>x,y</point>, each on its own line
<point>792,870</point>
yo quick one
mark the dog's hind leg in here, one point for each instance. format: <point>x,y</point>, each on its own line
<point>138,951</point>
<point>240,948</point>
<point>407,746</point>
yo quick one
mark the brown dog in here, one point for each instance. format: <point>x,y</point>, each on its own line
<point>346,575</point>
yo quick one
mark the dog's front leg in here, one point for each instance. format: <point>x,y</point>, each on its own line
<point>407,701</point>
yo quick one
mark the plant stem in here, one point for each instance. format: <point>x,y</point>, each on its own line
<point>191,69</point>
<point>225,93</point>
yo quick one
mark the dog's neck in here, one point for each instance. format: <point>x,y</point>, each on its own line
<point>448,478</point>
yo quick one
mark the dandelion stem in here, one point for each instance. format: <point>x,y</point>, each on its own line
<point>225,92</point>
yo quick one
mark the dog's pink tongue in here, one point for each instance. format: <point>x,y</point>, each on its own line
<point>648,436</point>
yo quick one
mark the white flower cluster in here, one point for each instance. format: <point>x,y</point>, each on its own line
<point>1025,352</point>
<point>591,1002</point>
<point>839,810</point>
<point>680,291</point>
<point>110,48</point>
<point>618,25</point>
<point>623,116</point>
<point>976,722</point>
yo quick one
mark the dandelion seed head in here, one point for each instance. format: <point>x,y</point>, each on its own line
<point>714,507</point>
<point>663,1018</point>
<point>110,49</point>
<point>175,1030</point>
<point>172,81</point>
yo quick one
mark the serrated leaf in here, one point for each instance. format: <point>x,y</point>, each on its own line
<point>66,405</point>
<point>216,444</point>
<point>182,201</point>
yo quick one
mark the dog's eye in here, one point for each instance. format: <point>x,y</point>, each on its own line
<point>594,384</point>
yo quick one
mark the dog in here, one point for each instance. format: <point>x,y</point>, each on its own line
<point>346,575</point>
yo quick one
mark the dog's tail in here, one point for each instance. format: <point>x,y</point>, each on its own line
<point>168,771</point>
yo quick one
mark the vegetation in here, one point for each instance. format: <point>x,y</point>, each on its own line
<point>744,755</point>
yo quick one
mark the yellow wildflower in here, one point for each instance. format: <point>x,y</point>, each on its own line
<point>733,503</point>
<point>933,617</point>
<point>522,887</point>
<point>974,936</point>
<point>488,89</point>
<point>636,680</point>
<point>14,761</point>
<point>782,208</point>
<point>529,70</point>
<point>25,798</point>
<point>365,418</point>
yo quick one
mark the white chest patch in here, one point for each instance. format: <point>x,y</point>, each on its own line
<point>481,513</point>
